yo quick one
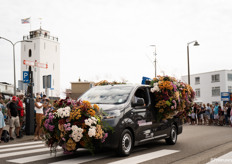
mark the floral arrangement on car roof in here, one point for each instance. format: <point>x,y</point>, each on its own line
<point>172,97</point>
<point>73,124</point>
<point>105,82</point>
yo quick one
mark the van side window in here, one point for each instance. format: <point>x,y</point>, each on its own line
<point>142,93</point>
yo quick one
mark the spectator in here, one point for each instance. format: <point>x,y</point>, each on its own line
<point>207,113</point>
<point>20,108</point>
<point>228,113</point>
<point>203,116</point>
<point>215,111</point>
<point>199,115</point>
<point>231,116</point>
<point>39,116</point>
<point>47,105</point>
<point>211,114</point>
<point>221,115</point>
<point>14,118</point>
<point>193,118</point>
<point>2,121</point>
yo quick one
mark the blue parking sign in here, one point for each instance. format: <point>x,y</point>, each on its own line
<point>26,77</point>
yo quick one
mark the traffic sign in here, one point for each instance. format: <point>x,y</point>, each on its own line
<point>26,77</point>
<point>41,65</point>
<point>27,62</point>
<point>35,64</point>
<point>225,96</point>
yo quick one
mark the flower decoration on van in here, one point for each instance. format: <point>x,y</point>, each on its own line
<point>105,82</point>
<point>172,97</point>
<point>73,124</point>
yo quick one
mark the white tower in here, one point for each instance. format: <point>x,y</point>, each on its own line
<point>42,52</point>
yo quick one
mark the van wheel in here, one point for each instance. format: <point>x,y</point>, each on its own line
<point>125,144</point>
<point>173,136</point>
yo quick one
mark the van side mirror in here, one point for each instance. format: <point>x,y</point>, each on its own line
<point>140,102</point>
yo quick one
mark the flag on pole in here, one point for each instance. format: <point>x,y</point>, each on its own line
<point>26,20</point>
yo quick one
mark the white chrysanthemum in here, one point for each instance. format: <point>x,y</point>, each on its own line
<point>92,131</point>
<point>88,122</point>
<point>155,88</point>
<point>77,133</point>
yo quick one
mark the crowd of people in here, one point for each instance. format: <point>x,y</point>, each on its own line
<point>13,112</point>
<point>210,114</point>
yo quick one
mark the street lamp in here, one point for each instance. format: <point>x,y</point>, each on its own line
<point>155,57</point>
<point>13,44</point>
<point>195,44</point>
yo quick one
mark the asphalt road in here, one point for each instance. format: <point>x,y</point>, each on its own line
<point>197,144</point>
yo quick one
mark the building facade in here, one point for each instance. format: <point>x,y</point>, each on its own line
<point>78,88</point>
<point>208,86</point>
<point>43,56</point>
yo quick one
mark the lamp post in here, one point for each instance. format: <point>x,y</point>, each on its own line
<point>195,44</point>
<point>155,57</point>
<point>13,44</point>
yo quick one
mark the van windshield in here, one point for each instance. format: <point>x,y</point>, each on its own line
<point>107,94</point>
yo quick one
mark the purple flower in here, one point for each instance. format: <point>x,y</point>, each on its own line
<point>51,127</point>
<point>104,138</point>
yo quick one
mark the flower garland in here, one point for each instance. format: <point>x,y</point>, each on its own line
<point>73,124</point>
<point>105,82</point>
<point>172,97</point>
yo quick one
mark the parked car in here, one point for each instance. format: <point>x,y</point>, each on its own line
<point>129,110</point>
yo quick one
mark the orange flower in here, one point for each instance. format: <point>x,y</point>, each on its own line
<point>86,104</point>
<point>91,112</point>
<point>95,106</point>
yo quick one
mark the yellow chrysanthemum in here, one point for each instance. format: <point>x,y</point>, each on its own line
<point>70,145</point>
<point>91,112</point>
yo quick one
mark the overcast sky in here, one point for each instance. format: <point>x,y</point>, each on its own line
<point>110,39</point>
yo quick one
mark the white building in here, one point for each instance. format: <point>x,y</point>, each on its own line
<point>208,86</point>
<point>43,54</point>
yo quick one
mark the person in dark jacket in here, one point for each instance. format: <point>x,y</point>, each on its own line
<point>14,117</point>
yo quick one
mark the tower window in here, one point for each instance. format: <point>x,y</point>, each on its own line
<point>29,53</point>
<point>24,48</point>
<point>44,45</point>
<point>34,46</point>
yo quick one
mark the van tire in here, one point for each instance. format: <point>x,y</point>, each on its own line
<point>125,143</point>
<point>173,136</point>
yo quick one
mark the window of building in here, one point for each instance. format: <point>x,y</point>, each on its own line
<point>197,80</point>
<point>230,89</point>
<point>29,53</point>
<point>24,47</point>
<point>198,93</point>
<point>215,91</point>
<point>44,45</point>
<point>53,66</point>
<point>215,78</point>
<point>229,76</point>
<point>34,46</point>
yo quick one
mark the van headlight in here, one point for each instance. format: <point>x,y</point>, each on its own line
<point>111,114</point>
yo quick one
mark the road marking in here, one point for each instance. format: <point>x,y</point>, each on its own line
<point>25,152</point>
<point>145,157</point>
<point>26,143</point>
<point>81,159</point>
<point>40,157</point>
<point>226,158</point>
<point>20,148</point>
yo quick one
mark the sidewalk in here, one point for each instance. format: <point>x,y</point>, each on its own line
<point>25,138</point>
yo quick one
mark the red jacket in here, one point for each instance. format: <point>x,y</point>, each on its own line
<point>20,107</point>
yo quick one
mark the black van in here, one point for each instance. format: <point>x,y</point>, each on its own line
<point>129,111</point>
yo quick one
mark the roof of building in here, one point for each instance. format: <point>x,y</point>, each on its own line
<point>207,72</point>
